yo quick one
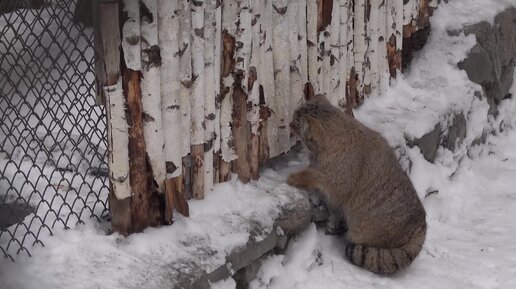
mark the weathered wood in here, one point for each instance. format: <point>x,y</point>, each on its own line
<point>198,171</point>
<point>187,176</point>
<point>107,44</point>
<point>197,103</point>
<point>175,199</point>
<point>137,162</point>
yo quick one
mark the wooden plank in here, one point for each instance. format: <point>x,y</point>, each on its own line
<point>107,42</point>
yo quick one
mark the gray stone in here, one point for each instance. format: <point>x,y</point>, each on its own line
<point>244,276</point>
<point>13,213</point>
<point>219,274</point>
<point>297,217</point>
<point>491,62</point>
<point>251,251</point>
<point>456,132</point>
<point>478,65</point>
<point>428,143</point>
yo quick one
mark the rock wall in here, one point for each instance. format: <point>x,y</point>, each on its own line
<point>490,63</point>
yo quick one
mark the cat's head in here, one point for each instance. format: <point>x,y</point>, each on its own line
<point>312,119</point>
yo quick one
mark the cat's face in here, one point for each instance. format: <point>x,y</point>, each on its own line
<point>308,120</point>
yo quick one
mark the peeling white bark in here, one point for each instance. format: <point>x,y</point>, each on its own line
<point>333,74</point>
<point>345,48</point>
<point>229,19</point>
<point>210,93</point>
<point>217,63</point>
<point>311,35</point>
<point>131,35</point>
<point>198,78</point>
<point>168,22</point>
<point>280,105</point>
<point>185,73</point>
<point>296,81</point>
<point>118,135</point>
<point>151,93</point>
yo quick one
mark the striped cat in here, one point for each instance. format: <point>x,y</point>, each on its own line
<point>359,177</point>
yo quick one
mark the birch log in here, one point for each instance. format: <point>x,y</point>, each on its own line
<point>218,94</point>
<point>296,81</point>
<point>394,35</point>
<point>210,93</point>
<point>253,90</point>
<point>333,50</point>
<point>197,103</point>
<point>311,41</point>
<point>229,20</point>
<point>266,77</point>
<point>241,166</point>
<point>279,141</point>
<point>107,44</point>
<point>345,47</point>
<point>184,53</point>
<point>151,90</point>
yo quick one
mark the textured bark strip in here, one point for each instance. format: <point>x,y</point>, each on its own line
<point>198,171</point>
<point>107,43</point>
<point>137,162</point>
<point>393,56</point>
<point>187,176</point>
<point>174,199</point>
<point>241,166</point>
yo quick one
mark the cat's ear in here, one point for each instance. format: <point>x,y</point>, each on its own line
<point>320,98</point>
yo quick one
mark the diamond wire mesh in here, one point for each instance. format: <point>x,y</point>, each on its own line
<point>52,135</point>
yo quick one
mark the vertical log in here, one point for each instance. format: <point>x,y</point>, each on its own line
<point>210,93</point>
<point>296,81</point>
<point>311,41</point>
<point>137,162</point>
<point>107,42</point>
<point>345,49</point>
<point>394,35</point>
<point>280,104</point>
<point>229,20</point>
<point>333,42</point>
<point>184,53</point>
<point>131,77</point>
<point>198,100</point>
<point>151,92</point>
<point>266,89</point>
<point>253,90</point>
<point>361,48</point>
<point>240,127</point>
<point>218,94</point>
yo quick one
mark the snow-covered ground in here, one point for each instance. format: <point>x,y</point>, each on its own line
<point>471,212</point>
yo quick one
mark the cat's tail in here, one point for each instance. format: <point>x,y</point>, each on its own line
<point>387,261</point>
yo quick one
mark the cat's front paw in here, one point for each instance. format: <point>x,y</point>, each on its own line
<point>298,180</point>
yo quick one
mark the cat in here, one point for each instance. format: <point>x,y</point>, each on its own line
<point>358,175</point>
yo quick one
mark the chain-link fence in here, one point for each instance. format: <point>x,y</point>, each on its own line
<point>53,170</point>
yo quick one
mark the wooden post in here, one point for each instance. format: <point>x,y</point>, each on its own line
<point>107,46</point>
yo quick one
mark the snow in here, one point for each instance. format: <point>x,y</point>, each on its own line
<point>470,213</point>
<point>89,257</point>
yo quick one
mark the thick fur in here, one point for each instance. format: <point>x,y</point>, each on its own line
<point>359,176</point>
